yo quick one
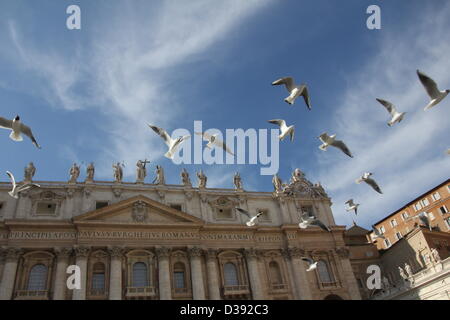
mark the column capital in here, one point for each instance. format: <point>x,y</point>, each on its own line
<point>252,253</point>
<point>211,254</point>
<point>115,251</point>
<point>63,252</point>
<point>195,252</point>
<point>342,252</point>
<point>295,252</point>
<point>162,252</point>
<point>12,254</point>
<point>81,251</point>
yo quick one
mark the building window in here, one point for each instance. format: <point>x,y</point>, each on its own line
<point>398,235</point>
<point>176,206</point>
<point>382,230</point>
<point>443,210</point>
<point>393,223</point>
<point>405,215</point>
<point>447,222</point>
<point>265,214</point>
<point>179,279</point>
<point>324,273</point>
<point>387,243</point>
<point>224,213</point>
<point>46,208</point>
<point>417,206</point>
<point>275,273</point>
<point>436,196</point>
<point>425,202</point>
<point>230,274</point>
<point>98,277</point>
<point>101,204</point>
<point>307,209</point>
<point>140,275</point>
<point>38,278</point>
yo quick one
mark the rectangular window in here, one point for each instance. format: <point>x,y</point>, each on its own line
<point>223,213</point>
<point>307,209</point>
<point>443,210</point>
<point>178,277</point>
<point>393,223</point>
<point>398,235</point>
<point>46,208</point>
<point>436,196</point>
<point>447,222</point>
<point>101,204</point>
<point>417,206</point>
<point>176,206</point>
<point>382,230</point>
<point>405,216</point>
<point>425,202</point>
<point>265,215</point>
<point>387,243</point>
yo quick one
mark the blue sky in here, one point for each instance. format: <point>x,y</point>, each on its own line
<point>88,93</point>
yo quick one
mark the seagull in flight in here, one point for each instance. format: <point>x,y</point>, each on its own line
<point>171,143</point>
<point>432,89</point>
<point>311,263</point>
<point>16,189</point>
<point>294,90</point>
<point>333,142</point>
<point>376,235</point>
<point>395,115</point>
<point>214,141</point>
<point>284,129</point>
<point>253,219</point>
<point>17,128</point>
<point>352,206</point>
<point>306,220</point>
<point>424,218</point>
<point>371,182</point>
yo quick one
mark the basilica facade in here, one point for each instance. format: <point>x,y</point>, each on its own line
<point>133,240</point>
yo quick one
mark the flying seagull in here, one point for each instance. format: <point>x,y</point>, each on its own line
<point>423,217</point>
<point>395,115</point>
<point>371,182</point>
<point>16,189</point>
<point>376,234</point>
<point>171,143</point>
<point>331,141</point>
<point>448,151</point>
<point>294,90</point>
<point>252,220</point>
<point>352,206</point>
<point>307,220</point>
<point>432,89</point>
<point>18,128</point>
<point>214,141</point>
<point>311,263</point>
<point>284,129</point>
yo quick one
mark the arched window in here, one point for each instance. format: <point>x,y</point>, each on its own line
<point>38,278</point>
<point>140,275</point>
<point>275,273</point>
<point>98,277</point>
<point>324,273</point>
<point>179,279</point>
<point>230,274</point>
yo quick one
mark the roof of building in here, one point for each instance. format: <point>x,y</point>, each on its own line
<point>413,201</point>
<point>356,230</point>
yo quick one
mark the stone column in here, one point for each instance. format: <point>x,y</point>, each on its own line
<point>211,269</point>
<point>2,262</point>
<point>115,278</point>
<point>342,255</point>
<point>299,272</point>
<point>82,254</point>
<point>253,272</point>
<point>198,286</point>
<point>9,273</point>
<point>293,284</point>
<point>165,290</point>
<point>61,273</point>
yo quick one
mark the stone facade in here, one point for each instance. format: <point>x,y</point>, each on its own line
<point>158,241</point>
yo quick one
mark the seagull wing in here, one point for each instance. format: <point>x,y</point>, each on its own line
<point>341,145</point>
<point>279,122</point>
<point>373,184</point>
<point>320,224</point>
<point>292,134</point>
<point>5,123</point>
<point>389,106</point>
<point>350,202</point>
<point>429,84</point>
<point>162,133</point>
<point>244,212</point>
<point>27,131</point>
<point>205,135</point>
<point>324,137</point>
<point>305,95</point>
<point>222,145</point>
<point>11,177</point>
<point>287,81</point>
<point>309,260</point>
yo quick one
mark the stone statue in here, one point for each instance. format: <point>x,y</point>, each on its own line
<point>29,172</point>
<point>402,274</point>
<point>185,178</point>
<point>435,255</point>
<point>141,171</point>
<point>74,173</point>
<point>408,270</point>
<point>90,171</point>
<point>237,180</point>
<point>202,179</point>
<point>118,172</point>
<point>386,284</point>
<point>277,183</point>
<point>159,175</point>
<point>297,176</point>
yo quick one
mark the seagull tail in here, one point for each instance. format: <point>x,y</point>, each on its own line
<point>359,180</point>
<point>289,100</point>
<point>15,136</point>
<point>169,155</point>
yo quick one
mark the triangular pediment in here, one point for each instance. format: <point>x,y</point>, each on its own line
<point>138,210</point>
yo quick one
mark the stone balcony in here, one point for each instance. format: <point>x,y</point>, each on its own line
<point>141,293</point>
<point>32,295</point>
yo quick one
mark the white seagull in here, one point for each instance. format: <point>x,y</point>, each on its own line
<point>352,206</point>
<point>284,129</point>
<point>331,141</point>
<point>171,143</point>
<point>306,220</point>
<point>423,217</point>
<point>371,182</point>
<point>311,263</point>
<point>376,234</point>
<point>395,115</point>
<point>294,90</point>
<point>432,89</point>
<point>214,141</point>
<point>253,219</point>
<point>16,189</point>
<point>17,128</point>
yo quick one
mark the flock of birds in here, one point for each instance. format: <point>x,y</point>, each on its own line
<point>295,91</point>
